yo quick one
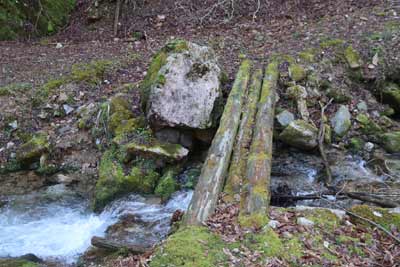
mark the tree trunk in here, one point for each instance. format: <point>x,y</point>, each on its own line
<point>103,243</point>
<point>257,193</point>
<point>215,168</point>
<point>237,169</point>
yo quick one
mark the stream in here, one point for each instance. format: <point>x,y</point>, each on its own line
<point>57,225</point>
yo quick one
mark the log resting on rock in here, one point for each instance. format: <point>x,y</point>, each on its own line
<point>237,169</point>
<point>257,195</point>
<point>215,168</point>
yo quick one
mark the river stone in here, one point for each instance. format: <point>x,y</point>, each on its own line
<point>305,222</point>
<point>285,118</point>
<point>391,142</point>
<point>186,90</point>
<point>341,122</point>
<point>300,134</point>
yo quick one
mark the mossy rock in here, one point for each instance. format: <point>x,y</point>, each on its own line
<point>381,216</point>
<point>91,73</point>
<point>391,141</point>
<point>368,126</point>
<point>391,95</point>
<point>114,179</point>
<point>297,72</point>
<point>32,150</point>
<point>47,16</point>
<point>356,144</point>
<point>167,184</point>
<point>352,58</point>
<point>156,149</point>
<point>192,247</point>
<point>300,134</point>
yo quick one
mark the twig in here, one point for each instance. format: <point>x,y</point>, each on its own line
<point>321,138</point>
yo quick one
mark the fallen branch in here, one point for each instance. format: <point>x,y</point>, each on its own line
<point>116,18</point>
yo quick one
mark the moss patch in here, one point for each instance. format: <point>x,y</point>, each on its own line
<point>378,215</point>
<point>32,150</point>
<point>191,247</point>
<point>167,185</point>
<point>297,72</point>
<point>352,57</point>
<point>17,263</point>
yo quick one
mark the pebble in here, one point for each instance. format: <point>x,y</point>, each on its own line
<point>369,146</point>
<point>273,224</point>
<point>10,145</point>
<point>68,109</point>
<point>287,235</point>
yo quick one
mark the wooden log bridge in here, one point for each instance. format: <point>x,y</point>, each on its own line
<point>239,159</point>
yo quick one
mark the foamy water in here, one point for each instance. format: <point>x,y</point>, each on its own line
<point>59,225</point>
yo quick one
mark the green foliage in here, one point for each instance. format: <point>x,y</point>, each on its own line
<point>47,16</point>
<point>167,185</point>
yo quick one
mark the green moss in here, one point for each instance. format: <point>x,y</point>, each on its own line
<point>293,249</point>
<point>11,166</point>
<point>267,242</point>
<point>17,263</point>
<point>338,95</point>
<point>92,72</point>
<point>31,151</point>
<point>352,57</point>
<point>356,144</point>
<point>113,182</point>
<point>391,141</point>
<point>323,218</point>
<point>14,88</point>
<point>367,125</point>
<point>256,220</point>
<point>297,72</point>
<point>308,55</point>
<point>191,247</point>
<point>167,185</point>
<point>331,43</point>
<point>380,216</point>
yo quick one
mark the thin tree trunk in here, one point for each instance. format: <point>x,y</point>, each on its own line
<point>116,18</point>
<point>215,168</point>
<point>257,196</point>
<point>237,169</point>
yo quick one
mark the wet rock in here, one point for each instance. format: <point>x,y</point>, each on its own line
<point>391,142</point>
<point>183,86</point>
<point>341,122</point>
<point>155,149</point>
<point>300,134</point>
<point>285,118</point>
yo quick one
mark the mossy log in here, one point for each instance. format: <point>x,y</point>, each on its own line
<point>237,169</point>
<point>256,197</point>
<point>215,168</point>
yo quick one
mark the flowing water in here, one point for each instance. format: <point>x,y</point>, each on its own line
<point>57,224</point>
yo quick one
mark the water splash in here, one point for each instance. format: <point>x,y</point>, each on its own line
<point>58,224</point>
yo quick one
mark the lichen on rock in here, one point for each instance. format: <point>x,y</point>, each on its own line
<point>32,150</point>
<point>300,134</point>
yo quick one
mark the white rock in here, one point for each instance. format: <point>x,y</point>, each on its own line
<point>369,146</point>
<point>10,145</point>
<point>59,45</point>
<point>305,222</point>
<point>273,224</point>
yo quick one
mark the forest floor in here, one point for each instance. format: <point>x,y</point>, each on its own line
<point>281,29</point>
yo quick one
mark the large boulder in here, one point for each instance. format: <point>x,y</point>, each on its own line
<point>300,134</point>
<point>182,88</point>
